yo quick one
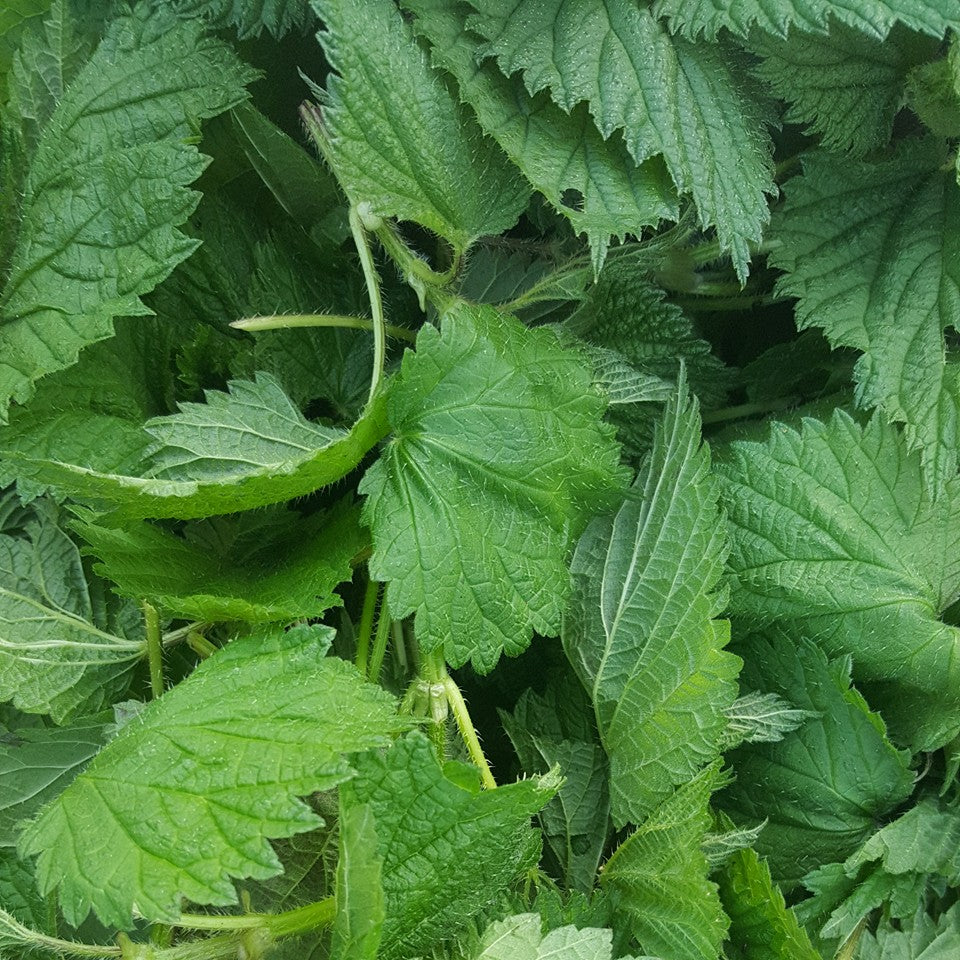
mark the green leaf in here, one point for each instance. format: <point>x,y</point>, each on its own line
<point>921,938</point>
<point>762,718</point>
<point>107,189</point>
<point>187,796</point>
<point>57,655</point>
<point>669,97</point>
<point>247,448</point>
<point>557,730</point>
<point>497,429</point>
<point>360,901</point>
<point>22,900</point>
<point>591,181</point>
<point>821,788</point>
<point>872,17</point>
<point>251,17</point>
<point>36,764</point>
<point>933,92</point>
<point>260,568</point>
<point>640,631</point>
<point>519,938</point>
<point>448,848</point>
<point>398,139</point>
<point>660,874</point>
<point>835,537</point>
<point>761,926</point>
<point>868,250</point>
<point>845,86</point>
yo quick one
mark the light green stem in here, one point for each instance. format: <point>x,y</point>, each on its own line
<point>468,731</point>
<point>380,641</point>
<point>376,300</point>
<point>311,916</point>
<point>743,410</point>
<point>11,929</point>
<point>151,622</point>
<point>366,624</point>
<point>288,321</point>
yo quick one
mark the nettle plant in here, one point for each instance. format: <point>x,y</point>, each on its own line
<point>355,365</point>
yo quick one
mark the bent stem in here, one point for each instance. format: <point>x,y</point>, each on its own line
<point>468,732</point>
<point>376,300</point>
<point>12,931</point>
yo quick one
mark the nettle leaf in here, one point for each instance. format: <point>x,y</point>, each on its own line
<point>868,249</point>
<point>762,718</point>
<point>247,448</point>
<point>107,189</point>
<point>186,796</point>
<point>669,97</point>
<point>57,654</point>
<point>922,937</point>
<point>825,784</point>
<point>498,456</point>
<point>761,926</point>
<point>872,17</point>
<point>640,631</point>
<point>358,926</point>
<point>36,764</point>
<point>251,17</point>
<point>448,848</point>
<point>847,87</point>
<point>660,874</point>
<point>397,137</point>
<point>557,730</point>
<point>276,567</point>
<point>834,536</point>
<point>591,181</point>
<point>519,938</point>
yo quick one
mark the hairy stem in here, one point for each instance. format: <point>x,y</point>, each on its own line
<point>744,410</point>
<point>380,640</point>
<point>366,624</point>
<point>13,932</point>
<point>151,622</point>
<point>376,300</point>
<point>468,731</point>
<point>288,321</point>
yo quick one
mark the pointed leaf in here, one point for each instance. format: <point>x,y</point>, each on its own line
<point>591,181</point>
<point>448,848</point>
<point>668,96</point>
<point>870,251</point>
<point>57,655</point>
<point>398,139</point>
<point>825,784</point>
<point>519,938</point>
<point>107,189</point>
<point>835,537</point>
<point>251,17</point>
<point>660,874</point>
<point>497,429</point>
<point>186,796</point>
<point>640,631</point>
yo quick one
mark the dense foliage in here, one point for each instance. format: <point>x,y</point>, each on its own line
<point>479,479</point>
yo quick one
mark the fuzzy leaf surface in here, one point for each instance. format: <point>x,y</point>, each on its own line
<point>873,17</point>
<point>274,568</point>
<point>398,138</point>
<point>668,96</point>
<point>761,925</point>
<point>640,631</point>
<point>107,189</point>
<point>448,848</point>
<point>834,536</point>
<point>57,655</point>
<point>660,874</point>
<point>187,795</point>
<point>825,784</point>
<point>870,251</point>
<point>497,458</point>
<point>251,17</point>
<point>562,155</point>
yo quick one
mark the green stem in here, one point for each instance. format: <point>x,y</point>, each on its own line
<point>183,633</point>
<point>468,732</point>
<point>151,622</point>
<point>288,321</point>
<point>721,304</point>
<point>200,645</point>
<point>409,263</point>
<point>380,641</point>
<point>12,930</point>
<point>366,624</point>
<point>311,916</point>
<point>744,410</point>
<point>376,300</point>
